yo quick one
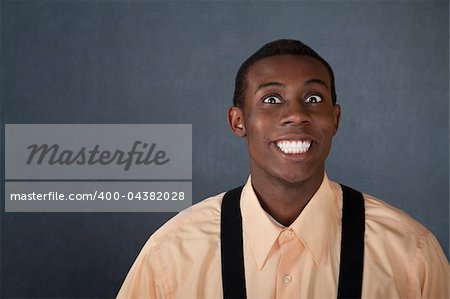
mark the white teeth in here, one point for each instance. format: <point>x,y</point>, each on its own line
<point>293,147</point>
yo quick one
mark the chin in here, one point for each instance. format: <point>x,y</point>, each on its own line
<point>293,178</point>
<point>297,177</point>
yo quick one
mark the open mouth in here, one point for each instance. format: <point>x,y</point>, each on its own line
<point>293,147</point>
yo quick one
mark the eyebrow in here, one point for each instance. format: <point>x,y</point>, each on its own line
<point>309,82</point>
<point>316,81</point>
<point>262,85</point>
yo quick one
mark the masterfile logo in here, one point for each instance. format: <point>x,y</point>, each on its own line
<point>96,151</point>
<point>54,155</point>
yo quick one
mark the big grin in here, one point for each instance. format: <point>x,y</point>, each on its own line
<point>293,147</point>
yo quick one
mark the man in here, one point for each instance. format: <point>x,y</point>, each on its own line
<point>293,242</point>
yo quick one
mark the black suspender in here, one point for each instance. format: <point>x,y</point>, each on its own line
<point>233,275</point>
<point>352,245</point>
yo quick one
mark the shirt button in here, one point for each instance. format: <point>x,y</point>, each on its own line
<point>287,279</point>
<point>287,233</point>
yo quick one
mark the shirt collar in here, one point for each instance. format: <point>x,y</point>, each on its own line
<point>312,226</point>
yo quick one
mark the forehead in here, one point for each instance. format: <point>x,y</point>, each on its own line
<point>287,68</point>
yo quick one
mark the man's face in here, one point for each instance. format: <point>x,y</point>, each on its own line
<point>288,118</point>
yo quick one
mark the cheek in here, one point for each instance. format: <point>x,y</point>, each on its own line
<point>258,128</point>
<point>258,140</point>
<point>328,124</point>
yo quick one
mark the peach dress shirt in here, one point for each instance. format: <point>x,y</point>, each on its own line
<point>182,259</point>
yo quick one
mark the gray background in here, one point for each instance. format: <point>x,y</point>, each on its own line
<point>174,62</point>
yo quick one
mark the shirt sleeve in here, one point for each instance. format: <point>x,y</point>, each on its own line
<point>144,278</point>
<point>433,270</point>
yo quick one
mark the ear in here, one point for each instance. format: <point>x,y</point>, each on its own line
<point>337,117</point>
<point>236,121</point>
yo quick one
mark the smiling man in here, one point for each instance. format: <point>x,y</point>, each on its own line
<point>288,115</point>
<point>289,232</point>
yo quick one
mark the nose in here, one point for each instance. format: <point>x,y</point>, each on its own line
<point>295,113</point>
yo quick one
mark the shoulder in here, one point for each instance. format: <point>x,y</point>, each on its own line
<point>201,220</point>
<point>184,242</point>
<point>172,257</point>
<point>400,246</point>
<point>383,217</point>
<point>389,229</point>
<point>393,234</point>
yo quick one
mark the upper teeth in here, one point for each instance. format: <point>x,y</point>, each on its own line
<point>293,147</point>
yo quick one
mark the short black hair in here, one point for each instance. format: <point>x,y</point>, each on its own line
<point>278,47</point>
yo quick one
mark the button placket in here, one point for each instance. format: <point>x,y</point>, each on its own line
<point>287,272</point>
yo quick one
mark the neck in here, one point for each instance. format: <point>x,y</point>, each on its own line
<point>285,201</point>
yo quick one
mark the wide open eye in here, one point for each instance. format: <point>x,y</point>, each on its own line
<point>313,99</point>
<point>272,100</point>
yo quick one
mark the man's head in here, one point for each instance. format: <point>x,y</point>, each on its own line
<point>278,47</point>
<point>287,113</point>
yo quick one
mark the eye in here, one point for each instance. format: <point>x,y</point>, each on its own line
<point>272,100</point>
<point>314,99</point>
